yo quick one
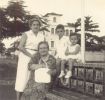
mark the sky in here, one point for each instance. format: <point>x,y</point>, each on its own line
<point>71,10</point>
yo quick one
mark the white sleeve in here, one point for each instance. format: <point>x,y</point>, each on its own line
<point>67,42</point>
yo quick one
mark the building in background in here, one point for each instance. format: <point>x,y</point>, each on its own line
<point>53,20</point>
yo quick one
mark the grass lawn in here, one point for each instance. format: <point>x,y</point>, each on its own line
<point>7,92</point>
<point>7,79</point>
<point>8,69</point>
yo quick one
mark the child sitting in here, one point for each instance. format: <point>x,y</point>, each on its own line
<point>72,54</point>
<point>61,42</point>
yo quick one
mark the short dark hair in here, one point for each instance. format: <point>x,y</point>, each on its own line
<point>35,18</point>
<point>60,26</point>
<point>43,42</point>
<point>73,34</point>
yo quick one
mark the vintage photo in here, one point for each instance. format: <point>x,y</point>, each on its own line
<point>89,74</point>
<point>52,50</point>
<point>81,86</point>
<point>89,88</point>
<point>98,90</point>
<point>99,75</point>
<point>73,84</point>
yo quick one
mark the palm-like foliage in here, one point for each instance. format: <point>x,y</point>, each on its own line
<point>76,25</point>
<point>16,10</point>
<point>90,26</point>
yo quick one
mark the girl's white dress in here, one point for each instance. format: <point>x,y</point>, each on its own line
<point>23,73</point>
<point>72,49</point>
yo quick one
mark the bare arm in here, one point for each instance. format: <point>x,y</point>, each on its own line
<point>35,66</point>
<point>21,45</point>
<point>74,52</point>
<point>52,64</point>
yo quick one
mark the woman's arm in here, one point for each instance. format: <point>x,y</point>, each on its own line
<point>34,63</point>
<point>52,66</point>
<point>35,66</point>
<point>21,45</point>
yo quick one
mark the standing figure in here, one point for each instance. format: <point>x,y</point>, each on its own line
<point>28,46</point>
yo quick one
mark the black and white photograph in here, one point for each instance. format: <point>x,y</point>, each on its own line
<point>52,50</point>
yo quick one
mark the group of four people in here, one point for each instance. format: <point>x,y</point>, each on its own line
<point>34,58</point>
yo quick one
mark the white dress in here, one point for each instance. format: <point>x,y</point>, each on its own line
<point>22,70</point>
<point>72,49</point>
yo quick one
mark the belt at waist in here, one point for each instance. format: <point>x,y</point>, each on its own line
<point>31,49</point>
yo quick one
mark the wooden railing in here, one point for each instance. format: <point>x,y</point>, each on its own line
<point>88,79</point>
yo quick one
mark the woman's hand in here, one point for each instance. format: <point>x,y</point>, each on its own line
<point>51,72</point>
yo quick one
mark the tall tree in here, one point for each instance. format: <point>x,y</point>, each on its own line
<point>76,25</point>
<point>90,26</point>
<point>3,23</point>
<point>16,12</point>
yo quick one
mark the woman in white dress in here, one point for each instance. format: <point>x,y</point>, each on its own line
<point>28,47</point>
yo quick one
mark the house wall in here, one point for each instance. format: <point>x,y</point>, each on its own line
<point>53,21</point>
<point>50,18</point>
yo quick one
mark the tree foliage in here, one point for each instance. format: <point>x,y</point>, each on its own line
<point>16,13</point>
<point>3,22</point>
<point>16,10</point>
<point>90,26</point>
<point>2,47</point>
<point>93,42</point>
<point>14,19</point>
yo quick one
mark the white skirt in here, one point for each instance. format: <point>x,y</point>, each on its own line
<point>23,73</point>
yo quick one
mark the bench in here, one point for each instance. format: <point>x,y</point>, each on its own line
<point>88,79</point>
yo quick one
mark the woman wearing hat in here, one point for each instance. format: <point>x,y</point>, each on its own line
<point>28,46</point>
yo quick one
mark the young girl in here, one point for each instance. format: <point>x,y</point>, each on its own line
<point>72,54</point>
